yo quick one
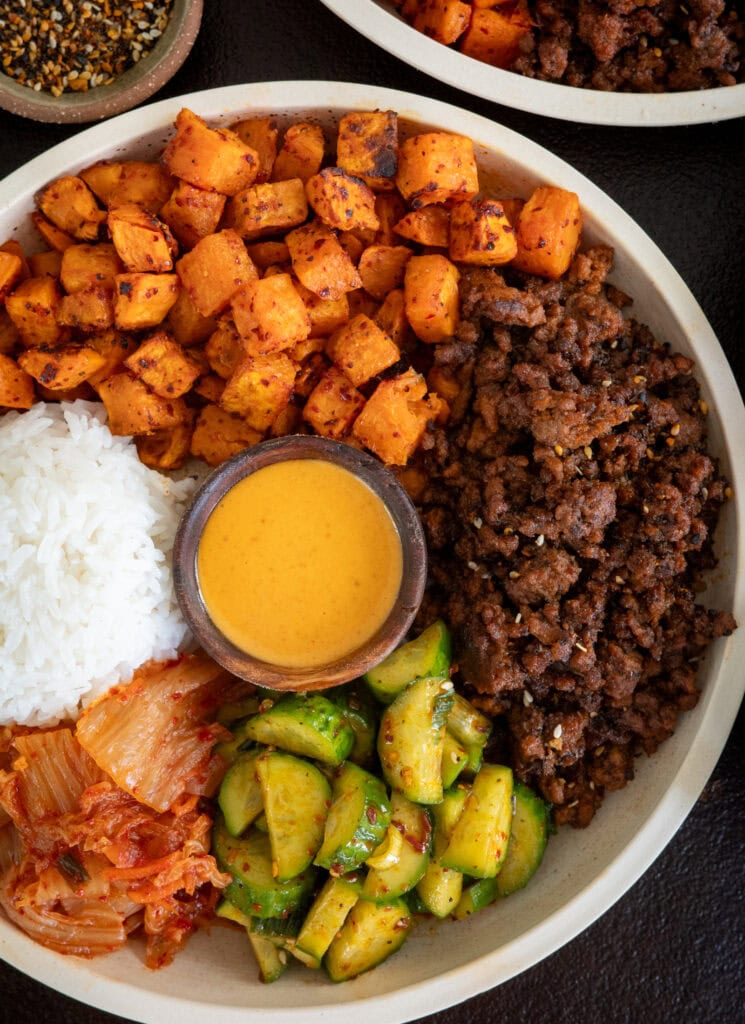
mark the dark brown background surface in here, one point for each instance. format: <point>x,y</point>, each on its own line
<point>673,948</point>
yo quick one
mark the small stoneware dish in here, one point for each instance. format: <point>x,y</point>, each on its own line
<point>405,519</point>
<point>129,89</point>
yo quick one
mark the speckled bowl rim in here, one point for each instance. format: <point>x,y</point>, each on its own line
<point>133,87</point>
<point>583,874</point>
<point>381,24</point>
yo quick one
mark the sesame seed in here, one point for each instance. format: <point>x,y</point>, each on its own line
<point>588,451</point>
<point>472,566</point>
<point>558,449</point>
<point>620,580</point>
<point>639,379</point>
<point>454,756</point>
<point>580,647</point>
<point>514,575</point>
<point>728,493</point>
<point>446,687</point>
<point>557,732</point>
<point>645,509</point>
<point>527,698</point>
<point>607,383</point>
<point>518,618</point>
<point>675,429</point>
<point>540,540</point>
<point>478,522</point>
<point>704,407</point>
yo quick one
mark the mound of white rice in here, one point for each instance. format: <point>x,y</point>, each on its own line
<point>86,531</point>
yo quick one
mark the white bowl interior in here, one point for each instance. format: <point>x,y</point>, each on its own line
<point>584,872</point>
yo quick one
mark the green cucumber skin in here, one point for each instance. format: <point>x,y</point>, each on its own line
<point>479,840</point>
<point>327,915</point>
<point>467,724</point>
<point>311,726</point>
<point>477,895</point>
<point>528,839</point>
<point>239,797</point>
<point>454,760</point>
<point>272,960</point>
<point>370,934</point>
<point>366,829</point>
<point>429,654</point>
<point>361,713</point>
<point>415,824</point>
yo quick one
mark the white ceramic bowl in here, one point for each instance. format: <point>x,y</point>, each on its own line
<point>583,873</point>
<point>379,22</point>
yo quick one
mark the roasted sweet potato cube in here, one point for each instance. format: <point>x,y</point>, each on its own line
<point>45,264</point>
<point>301,154</point>
<point>352,245</point>
<point>16,386</point>
<point>10,339</point>
<point>133,408</point>
<point>164,366</point>
<point>494,37</point>
<point>341,201</point>
<point>311,369</point>
<point>84,391</point>
<point>11,271</point>
<point>102,178</point>
<point>443,20</point>
<point>114,348</point>
<point>431,293</point>
<point>214,270</point>
<point>362,350</point>
<point>367,147</point>
<point>142,182</point>
<point>512,209</point>
<point>360,302</point>
<point>395,417</point>
<point>481,234</point>
<point>548,232</point>
<point>143,300</point>
<point>268,254</point>
<point>382,268</point>
<point>70,205</point>
<point>192,213</point>
<point>224,349</point>
<point>85,266</point>
<point>143,242</point>
<point>55,239</point>
<point>320,262</point>
<point>270,315</point>
<point>210,387</point>
<point>89,310</point>
<point>62,368</point>
<point>261,134</point>
<point>167,449</point>
<point>32,307</point>
<point>325,315</point>
<point>269,208</point>
<point>218,435</point>
<point>187,324</point>
<point>289,421</point>
<point>391,317</point>
<point>437,166</point>
<point>15,248</point>
<point>333,405</point>
<point>390,208</point>
<point>428,226</point>
<point>210,158</point>
<point>259,388</point>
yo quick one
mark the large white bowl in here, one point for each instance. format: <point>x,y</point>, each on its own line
<point>379,22</point>
<point>583,873</point>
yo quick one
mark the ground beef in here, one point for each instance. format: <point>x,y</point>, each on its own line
<point>635,45</point>
<point>569,512</point>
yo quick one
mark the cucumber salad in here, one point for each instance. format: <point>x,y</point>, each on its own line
<point>346,814</point>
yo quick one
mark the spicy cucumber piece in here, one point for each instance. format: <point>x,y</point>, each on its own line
<point>361,713</point>
<point>370,934</point>
<point>528,838</point>
<point>411,739</point>
<point>254,889</point>
<point>240,798</point>
<point>357,820</point>
<point>440,887</point>
<point>310,725</point>
<point>296,799</point>
<point>327,915</point>
<point>454,760</point>
<point>428,655</point>
<point>467,724</point>
<point>476,895</point>
<point>226,910</point>
<point>478,843</point>
<point>272,959</point>
<point>415,826</point>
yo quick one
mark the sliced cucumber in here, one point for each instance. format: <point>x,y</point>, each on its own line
<point>296,799</point>
<point>475,752</point>
<point>478,843</point>
<point>254,889</point>
<point>327,915</point>
<point>477,895</point>
<point>240,798</point>
<point>415,826</point>
<point>272,959</point>
<point>230,750</point>
<point>454,760</point>
<point>277,929</point>
<point>358,818</point>
<point>370,934</point>
<point>467,723</point>
<point>528,839</point>
<point>312,726</point>
<point>412,737</point>
<point>428,655</point>
<point>226,910</point>
<point>440,888</point>
<point>231,713</point>
<point>361,713</point>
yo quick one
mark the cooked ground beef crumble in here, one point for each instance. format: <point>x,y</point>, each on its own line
<point>569,513</point>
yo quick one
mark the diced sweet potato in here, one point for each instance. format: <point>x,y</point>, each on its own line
<point>361,302</point>
<point>224,350</point>
<point>443,20</point>
<point>382,268</point>
<point>10,339</point>
<point>512,209</point>
<point>16,386</point>
<point>431,294</point>
<point>62,368</point>
<point>218,435</point>
<point>143,300</point>
<point>481,234</point>
<point>437,166</point>
<point>192,213</point>
<point>367,147</point>
<point>390,208</point>
<point>70,205</point>
<point>311,369</point>
<point>548,232</point>
<point>102,178</point>
<point>11,271</point>
<point>395,417</point>
<point>89,310</point>
<point>333,405</point>
<point>391,317</point>
<point>301,154</point>
<point>84,266</point>
<point>143,243</point>
<point>270,315</point>
<point>325,315</point>
<point>55,239</point>
<point>362,350</point>
<point>341,201</point>
<point>114,348</point>
<point>214,270</point>
<point>261,134</point>
<point>84,391</point>
<point>33,309</point>
<point>268,254</point>
<point>289,421</point>
<point>187,324</point>
<point>352,245</point>
<point>133,408</point>
<point>45,264</point>
<point>167,449</point>
<point>210,387</point>
<point>269,208</point>
<point>494,37</point>
<point>129,181</point>
<point>164,366</point>
<point>320,262</point>
<point>14,248</point>
<point>210,158</point>
<point>259,388</point>
<point>429,226</point>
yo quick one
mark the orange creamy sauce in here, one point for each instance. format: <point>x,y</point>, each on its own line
<point>300,563</point>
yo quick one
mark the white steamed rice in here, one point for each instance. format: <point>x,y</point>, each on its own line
<point>86,531</point>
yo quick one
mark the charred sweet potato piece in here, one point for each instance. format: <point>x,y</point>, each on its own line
<point>391,317</point>
<point>70,205</point>
<point>395,417</point>
<point>32,307</point>
<point>62,368</point>
<point>218,435</point>
<point>548,232</point>
<point>312,366</point>
<point>55,239</point>
<point>210,158</point>
<point>192,213</point>
<point>16,386</point>
<point>85,266</point>
<point>210,387</point>
<point>143,242</point>
<point>261,134</point>
<point>270,315</point>
<point>390,208</point>
<point>269,208</point>
<point>367,147</point>
<point>129,181</point>
<point>428,226</point>
<point>167,449</point>
<point>443,20</point>
<point>164,366</point>
<point>437,166</point>
<point>259,388</point>
<point>224,349</point>
<point>133,408</point>
<point>431,294</point>
<point>494,37</point>
<point>382,268</point>
<point>320,262</point>
<point>361,302</point>
<point>268,254</point>
<point>333,405</point>
<point>114,348</point>
<point>341,201</point>
<point>362,350</point>
<point>325,315</point>
<point>11,271</point>
<point>301,154</point>
<point>89,310</point>
<point>214,270</point>
<point>45,264</point>
<point>143,300</point>
<point>187,324</point>
<point>481,233</point>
